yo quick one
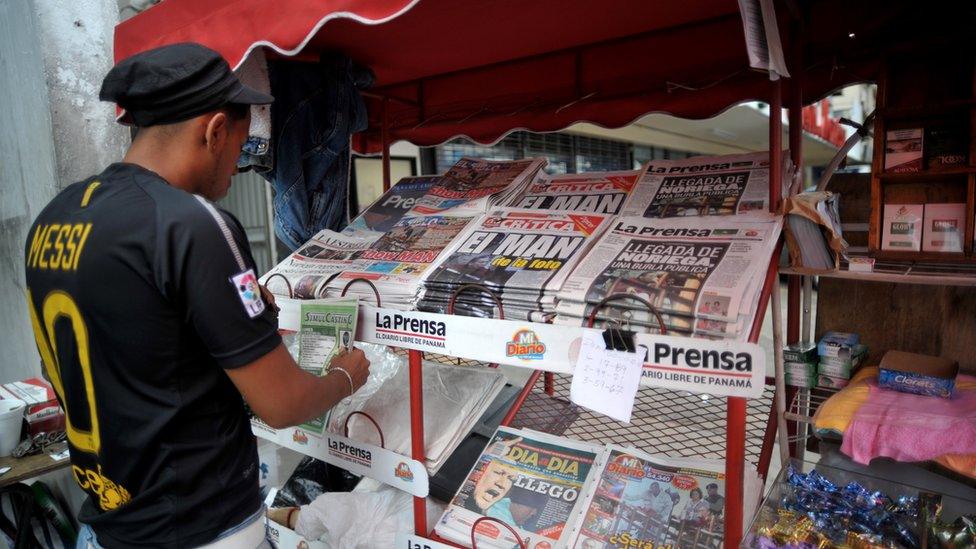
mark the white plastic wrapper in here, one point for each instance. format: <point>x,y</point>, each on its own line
<point>360,519</point>
<point>454,399</point>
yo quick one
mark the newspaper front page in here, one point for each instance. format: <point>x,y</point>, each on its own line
<point>703,185</point>
<point>311,266</point>
<point>703,268</point>
<point>593,192</point>
<point>643,500</point>
<point>531,481</point>
<point>475,184</point>
<point>388,209</point>
<point>398,260</point>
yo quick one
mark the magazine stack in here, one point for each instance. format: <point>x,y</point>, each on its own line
<point>521,256</point>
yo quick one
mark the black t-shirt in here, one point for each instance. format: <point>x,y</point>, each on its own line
<point>141,295</point>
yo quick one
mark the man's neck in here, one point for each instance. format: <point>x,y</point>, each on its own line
<point>162,160</point>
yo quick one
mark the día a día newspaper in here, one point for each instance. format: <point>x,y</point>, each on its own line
<point>591,192</point>
<point>704,185</point>
<point>531,481</point>
<point>478,185</point>
<point>704,267</point>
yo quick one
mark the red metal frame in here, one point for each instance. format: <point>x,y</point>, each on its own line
<point>417,434</point>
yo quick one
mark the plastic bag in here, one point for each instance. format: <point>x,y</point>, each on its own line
<point>360,519</point>
<point>311,479</point>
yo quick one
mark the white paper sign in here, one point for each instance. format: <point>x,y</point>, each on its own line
<point>413,541</point>
<point>606,381</point>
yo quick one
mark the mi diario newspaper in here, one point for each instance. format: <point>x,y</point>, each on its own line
<point>706,268</point>
<point>557,492</point>
<point>703,185</point>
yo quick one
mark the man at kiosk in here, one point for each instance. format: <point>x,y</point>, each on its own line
<point>152,327</point>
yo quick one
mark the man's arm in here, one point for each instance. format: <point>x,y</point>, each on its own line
<point>283,395</point>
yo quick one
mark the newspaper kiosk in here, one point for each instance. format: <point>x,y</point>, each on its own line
<point>480,70</point>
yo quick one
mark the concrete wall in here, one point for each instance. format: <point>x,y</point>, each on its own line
<point>28,177</point>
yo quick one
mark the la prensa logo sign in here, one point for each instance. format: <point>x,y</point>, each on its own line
<point>403,471</point>
<point>525,344</point>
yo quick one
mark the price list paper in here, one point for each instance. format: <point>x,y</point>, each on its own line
<point>605,380</point>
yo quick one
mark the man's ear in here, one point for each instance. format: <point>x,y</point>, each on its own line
<point>216,131</point>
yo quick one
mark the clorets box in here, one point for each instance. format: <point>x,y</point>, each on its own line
<point>918,374</point>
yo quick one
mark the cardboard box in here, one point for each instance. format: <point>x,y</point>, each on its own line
<point>945,225</point>
<point>860,264</point>
<point>800,374</point>
<point>901,228</point>
<point>43,413</point>
<point>838,344</point>
<point>918,374</point>
<point>830,382</point>
<point>800,352</point>
<point>858,354</point>
<point>903,150</point>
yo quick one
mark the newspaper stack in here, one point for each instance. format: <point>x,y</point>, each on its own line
<point>705,185</point>
<point>305,273</point>
<point>703,275</point>
<point>556,492</point>
<point>530,481</point>
<point>454,400</point>
<point>522,256</point>
<point>388,209</point>
<point>478,185</point>
<point>397,262</point>
<point>644,500</point>
<point>593,192</point>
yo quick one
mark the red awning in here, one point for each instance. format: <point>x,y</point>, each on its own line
<point>482,69</point>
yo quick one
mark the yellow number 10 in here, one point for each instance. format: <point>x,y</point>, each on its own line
<point>56,305</point>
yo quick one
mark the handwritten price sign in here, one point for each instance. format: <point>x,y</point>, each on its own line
<point>606,381</point>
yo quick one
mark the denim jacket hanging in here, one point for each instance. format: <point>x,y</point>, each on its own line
<point>316,110</point>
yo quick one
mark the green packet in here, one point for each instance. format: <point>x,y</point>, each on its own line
<point>800,374</point>
<point>800,353</point>
<point>858,356</point>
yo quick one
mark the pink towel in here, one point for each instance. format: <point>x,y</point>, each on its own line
<point>908,427</point>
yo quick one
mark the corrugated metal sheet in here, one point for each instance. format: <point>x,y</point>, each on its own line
<point>248,201</point>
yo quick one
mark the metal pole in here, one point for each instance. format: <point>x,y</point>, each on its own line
<point>784,438</point>
<point>417,434</point>
<point>385,136</point>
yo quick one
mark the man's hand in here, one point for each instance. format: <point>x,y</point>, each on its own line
<point>353,363</point>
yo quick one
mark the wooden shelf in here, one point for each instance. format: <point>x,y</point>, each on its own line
<point>948,107</point>
<point>928,175</point>
<point>29,467</point>
<point>902,274</point>
<point>942,257</point>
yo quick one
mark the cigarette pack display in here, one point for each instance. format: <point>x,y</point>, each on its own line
<point>43,413</point>
<point>918,374</point>
<point>830,382</point>
<point>946,147</point>
<point>800,352</point>
<point>903,150</point>
<point>944,227</point>
<point>902,227</point>
<point>838,344</point>
<point>801,374</point>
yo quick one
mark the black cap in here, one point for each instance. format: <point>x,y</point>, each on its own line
<point>175,83</point>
